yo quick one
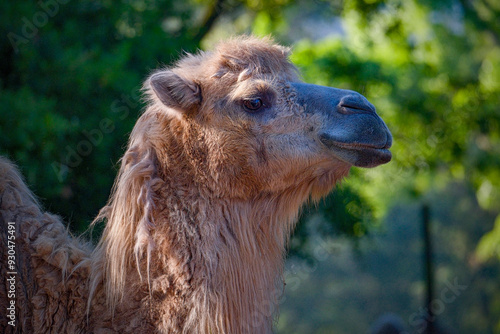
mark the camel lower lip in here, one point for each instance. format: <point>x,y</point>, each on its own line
<point>372,152</point>
<point>362,156</point>
<point>371,157</point>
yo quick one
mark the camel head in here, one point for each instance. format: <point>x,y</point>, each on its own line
<point>260,129</point>
<point>232,143</point>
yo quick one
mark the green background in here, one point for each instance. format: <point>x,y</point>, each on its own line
<point>69,96</point>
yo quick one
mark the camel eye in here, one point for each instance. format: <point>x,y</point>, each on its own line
<point>253,104</point>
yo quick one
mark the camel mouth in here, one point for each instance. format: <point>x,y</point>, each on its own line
<point>359,154</point>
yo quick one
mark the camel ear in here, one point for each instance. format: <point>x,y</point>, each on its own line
<point>180,94</point>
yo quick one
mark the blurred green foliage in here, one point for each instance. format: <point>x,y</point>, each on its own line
<point>65,77</point>
<point>69,96</point>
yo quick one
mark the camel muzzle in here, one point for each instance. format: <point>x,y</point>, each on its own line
<point>351,130</point>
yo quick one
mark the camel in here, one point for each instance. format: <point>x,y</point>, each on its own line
<point>231,145</point>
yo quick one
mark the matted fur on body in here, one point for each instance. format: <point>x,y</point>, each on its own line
<point>215,172</point>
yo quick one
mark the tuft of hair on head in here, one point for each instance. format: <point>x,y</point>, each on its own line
<point>248,55</point>
<point>248,45</point>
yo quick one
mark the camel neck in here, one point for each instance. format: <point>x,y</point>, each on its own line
<point>222,258</point>
<point>205,251</point>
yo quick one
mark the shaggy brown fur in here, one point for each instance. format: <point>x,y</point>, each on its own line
<point>200,213</point>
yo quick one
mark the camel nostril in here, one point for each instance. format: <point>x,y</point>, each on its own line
<point>355,104</point>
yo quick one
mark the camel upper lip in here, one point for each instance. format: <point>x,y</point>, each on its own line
<point>380,144</point>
